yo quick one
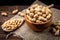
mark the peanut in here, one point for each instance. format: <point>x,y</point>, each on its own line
<point>48,16</point>
<point>33,6</point>
<point>42,18</point>
<point>29,17</point>
<point>15,11</point>
<point>21,14</point>
<point>4,14</point>
<point>58,27</point>
<point>31,14</point>
<point>39,13</point>
<point>57,32</point>
<point>37,9</point>
<point>38,21</point>
<point>47,12</point>
<point>31,10</point>
<point>44,15</point>
<point>36,15</point>
<point>27,11</point>
<point>44,10</point>
<point>33,20</point>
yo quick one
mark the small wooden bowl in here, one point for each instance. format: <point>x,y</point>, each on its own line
<point>38,26</point>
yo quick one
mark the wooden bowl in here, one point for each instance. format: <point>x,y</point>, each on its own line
<point>38,26</point>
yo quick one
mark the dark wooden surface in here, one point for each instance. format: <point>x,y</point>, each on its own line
<point>8,9</point>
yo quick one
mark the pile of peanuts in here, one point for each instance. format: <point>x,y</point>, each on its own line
<point>56,29</point>
<point>38,13</point>
<point>11,24</point>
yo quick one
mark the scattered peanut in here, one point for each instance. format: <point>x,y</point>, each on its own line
<point>57,32</point>
<point>21,14</point>
<point>15,11</point>
<point>4,14</point>
<point>56,29</point>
